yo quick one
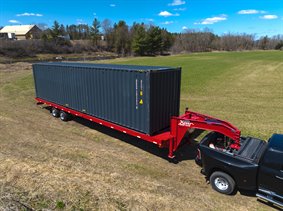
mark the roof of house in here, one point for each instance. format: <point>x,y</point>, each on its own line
<point>18,29</point>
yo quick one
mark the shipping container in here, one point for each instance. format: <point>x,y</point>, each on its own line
<point>142,98</point>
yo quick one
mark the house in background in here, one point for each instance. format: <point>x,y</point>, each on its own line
<point>23,32</point>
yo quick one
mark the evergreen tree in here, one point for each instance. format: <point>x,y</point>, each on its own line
<point>154,40</point>
<point>55,30</point>
<point>139,45</point>
<point>95,31</point>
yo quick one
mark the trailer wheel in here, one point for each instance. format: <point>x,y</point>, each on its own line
<point>222,182</point>
<point>64,116</point>
<point>55,112</point>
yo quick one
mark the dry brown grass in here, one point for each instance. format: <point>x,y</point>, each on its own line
<point>48,164</point>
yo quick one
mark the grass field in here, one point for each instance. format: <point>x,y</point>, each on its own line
<point>49,164</point>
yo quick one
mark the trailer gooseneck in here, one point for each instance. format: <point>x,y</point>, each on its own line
<point>172,137</point>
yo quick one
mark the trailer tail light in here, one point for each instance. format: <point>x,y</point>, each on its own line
<point>198,154</point>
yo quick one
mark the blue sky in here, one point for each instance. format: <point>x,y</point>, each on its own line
<point>259,17</point>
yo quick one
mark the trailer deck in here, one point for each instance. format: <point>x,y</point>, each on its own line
<point>170,138</point>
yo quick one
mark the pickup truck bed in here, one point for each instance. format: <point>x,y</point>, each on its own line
<point>251,149</point>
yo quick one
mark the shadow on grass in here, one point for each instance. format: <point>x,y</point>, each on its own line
<point>270,205</point>
<point>253,194</point>
<point>187,150</point>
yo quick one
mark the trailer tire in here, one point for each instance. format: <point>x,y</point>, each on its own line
<point>222,182</point>
<point>64,116</point>
<point>55,112</point>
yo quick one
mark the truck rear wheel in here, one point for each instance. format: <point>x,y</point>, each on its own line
<point>64,116</point>
<point>222,182</point>
<point>55,112</point>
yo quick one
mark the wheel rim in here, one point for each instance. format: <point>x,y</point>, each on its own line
<point>62,116</point>
<point>221,183</point>
<point>54,112</point>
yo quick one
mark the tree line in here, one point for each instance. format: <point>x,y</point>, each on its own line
<point>205,41</point>
<point>141,39</point>
<point>138,39</point>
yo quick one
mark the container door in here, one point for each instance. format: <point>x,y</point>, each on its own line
<point>164,98</point>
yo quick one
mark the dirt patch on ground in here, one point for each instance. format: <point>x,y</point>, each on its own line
<point>20,66</point>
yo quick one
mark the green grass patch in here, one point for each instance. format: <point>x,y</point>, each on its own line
<point>60,205</point>
<point>21,88</point>
<point>244,88</point>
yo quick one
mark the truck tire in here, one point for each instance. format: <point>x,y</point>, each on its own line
<point>64,116</point>
<point>222,182</point>
<point>55,112</point>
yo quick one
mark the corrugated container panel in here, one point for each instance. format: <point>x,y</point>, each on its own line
<point>142,98</point>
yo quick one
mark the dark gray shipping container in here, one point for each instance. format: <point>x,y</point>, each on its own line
<point>142,98</point>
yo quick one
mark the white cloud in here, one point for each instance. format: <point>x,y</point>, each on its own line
<point>29,14</point>
<point>168,22</point>
<point>212,20</point>
<point>112,5</point>
<point>269,17</point>
<point>184,28</point>
<point>14,21</point>
<point>250,12</point>
<point>180,9</point>
<point>167,14</point>
<point>177,3</point>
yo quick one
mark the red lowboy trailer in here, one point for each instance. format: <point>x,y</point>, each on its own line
<point>173,136</point>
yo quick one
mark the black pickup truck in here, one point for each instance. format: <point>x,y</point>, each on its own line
<point>256,166</point>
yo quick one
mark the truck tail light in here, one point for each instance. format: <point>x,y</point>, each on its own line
<point>198,154</point>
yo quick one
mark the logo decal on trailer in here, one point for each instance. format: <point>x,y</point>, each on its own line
<point>185,123</point>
